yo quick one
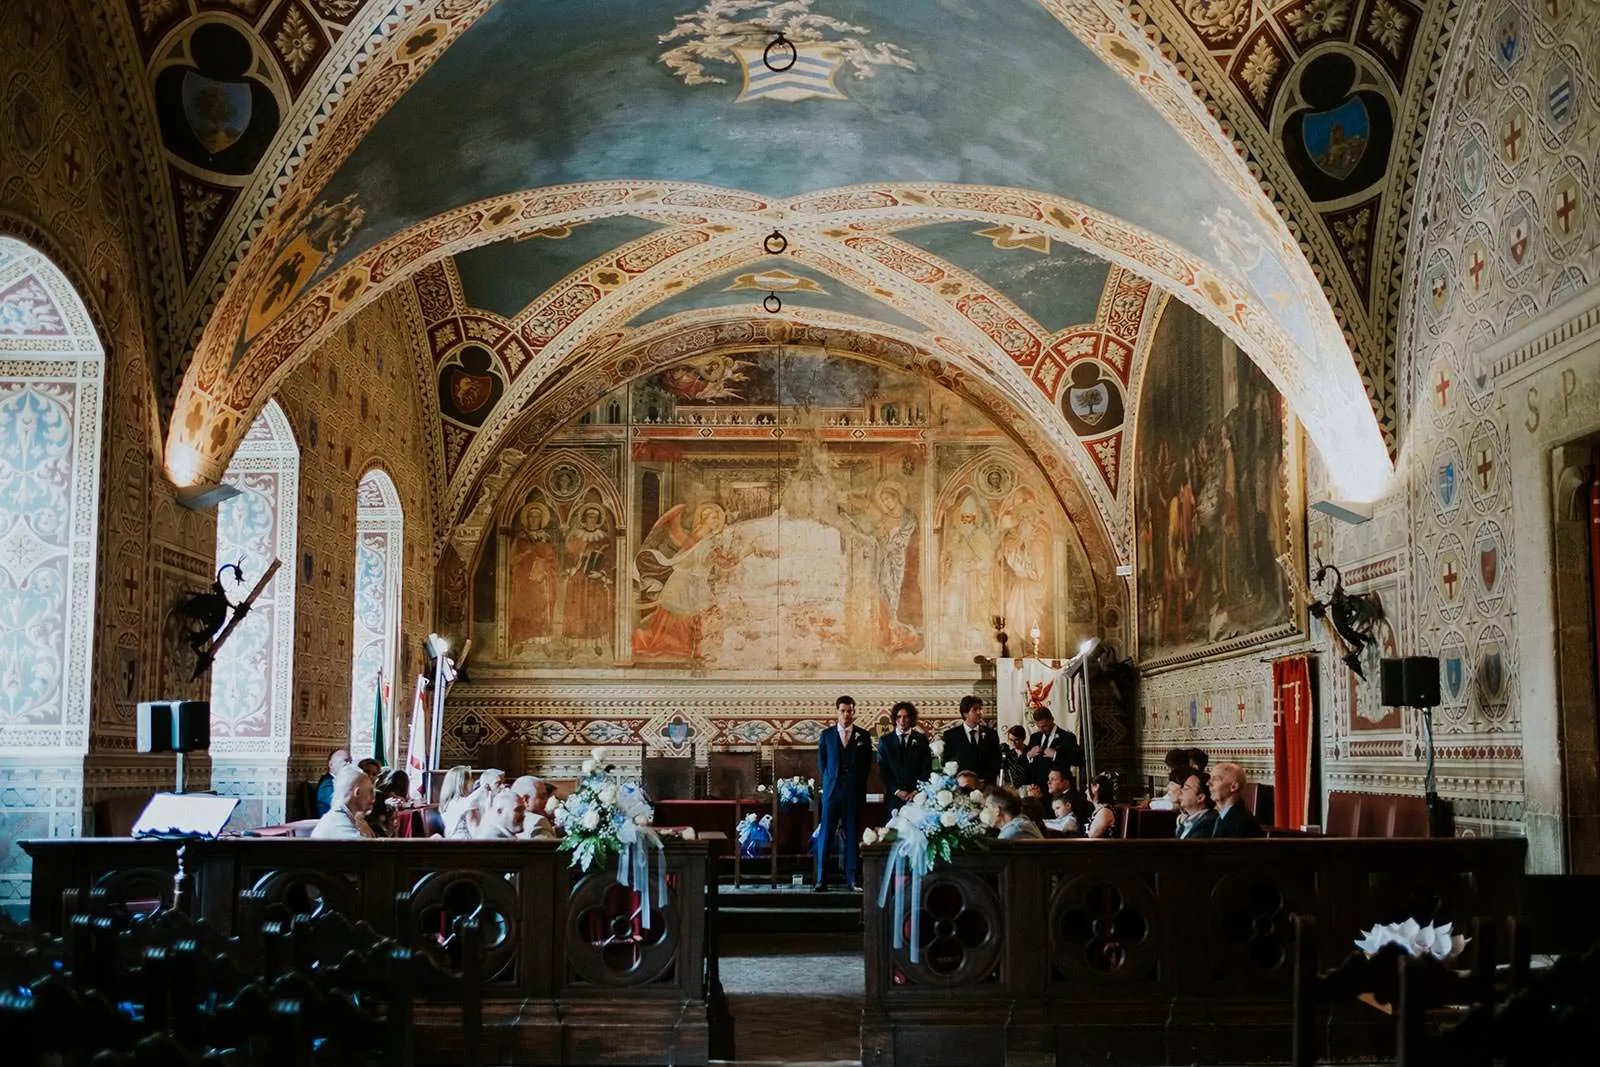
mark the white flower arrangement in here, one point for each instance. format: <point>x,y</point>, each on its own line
<point>939,820</point>
<point>593,819</point>
<point>791,791</point>
<point>1436,941</point>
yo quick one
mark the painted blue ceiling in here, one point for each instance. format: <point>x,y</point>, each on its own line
<point>835,296</point>
<point>543,93</point>
<point>507,276</point>
<point>1058,289</point>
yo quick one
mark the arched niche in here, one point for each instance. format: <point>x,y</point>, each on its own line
<point>375,648</point>
<point>52,370</point>
<point>252,678</point>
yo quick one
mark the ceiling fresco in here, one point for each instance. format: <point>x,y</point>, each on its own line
<point>794,285</point>
<point>358,138</point>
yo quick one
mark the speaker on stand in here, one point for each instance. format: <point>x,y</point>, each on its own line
<point>178,726</point>
<point>1413,682</point>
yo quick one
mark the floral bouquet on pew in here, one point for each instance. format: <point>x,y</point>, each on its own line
<point>938,821</point>
<point>792,791</point>
<point>599,814</point>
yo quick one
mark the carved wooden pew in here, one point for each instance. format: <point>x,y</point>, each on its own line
<point>570,973</point>
<point>1148,951</point>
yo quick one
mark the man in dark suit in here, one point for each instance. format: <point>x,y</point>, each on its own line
<point>1194,801</point>
<point>904,757</point>
<point>972,745</point>
<point>844,759</point>
<point>1050,747</point>
<point>336,762</point>
<point>1233,818</point>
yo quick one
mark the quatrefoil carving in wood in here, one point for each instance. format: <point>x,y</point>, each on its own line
<point>960,932</point>
<point>610,945</point>
<point>1102,929</point>
<point>441,897</point>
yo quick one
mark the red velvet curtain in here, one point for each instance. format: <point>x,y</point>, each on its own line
<point>1293,733</point>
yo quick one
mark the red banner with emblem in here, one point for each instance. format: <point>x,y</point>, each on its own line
<point>1294,716</point>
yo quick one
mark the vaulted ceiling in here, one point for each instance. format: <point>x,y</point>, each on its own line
<point>1008,188</point>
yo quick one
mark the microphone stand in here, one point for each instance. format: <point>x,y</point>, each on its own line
<point>1430,789</point>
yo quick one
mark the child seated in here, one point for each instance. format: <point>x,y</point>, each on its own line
<point>1064,822</point>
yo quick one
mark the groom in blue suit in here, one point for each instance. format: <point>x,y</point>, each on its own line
<point>844,758</point>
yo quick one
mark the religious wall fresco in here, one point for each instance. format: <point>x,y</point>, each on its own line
<point>1216,497</point>
<point>777,511</point>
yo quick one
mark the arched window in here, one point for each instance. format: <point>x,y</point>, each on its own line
<point>380,527</point>
<point>52,370</point>
<point>251,680</point>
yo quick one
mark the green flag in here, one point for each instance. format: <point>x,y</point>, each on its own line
<point>377,722</point>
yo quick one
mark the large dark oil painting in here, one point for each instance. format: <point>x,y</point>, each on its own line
<point>1217,487</point>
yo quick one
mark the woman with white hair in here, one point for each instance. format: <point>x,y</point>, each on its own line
<point>352,799</point>
<point>464,817</point>
<point>535,827</point>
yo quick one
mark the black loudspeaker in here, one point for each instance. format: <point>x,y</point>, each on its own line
<point>174,726</point>
<point>1412,682</point>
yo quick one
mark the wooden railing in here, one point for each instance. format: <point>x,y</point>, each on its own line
<point>570,972</point>
<point>1137,952</point>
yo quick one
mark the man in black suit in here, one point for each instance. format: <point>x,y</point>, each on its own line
<point>1050,747</point>
<point>972,745</point>
<point>904,757</point>
<point>1194,801</point>
<point>1233,818</point>
<point>844,759</point>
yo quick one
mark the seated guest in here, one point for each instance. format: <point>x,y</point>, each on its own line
<point>1176,759</point>
<point>491,783</point>
<point>1196,818</point>
<point>390,792</point>
<point>969,780</point>
<point>1233,818</point>
<point>502,816</point>
<point>535,827</point>
<point>1008,817</point>
<point>1033,806</point>
<point>370,767</point>
<point>1197,758</point>
<point>1064,821</point>
<point>455,797</point>
<point>352,799</point>
<point>339,758</point>
<point>1168,801</point>
<point>1014,773</point>
<point>1059,782</point>
<point>1103,794</point>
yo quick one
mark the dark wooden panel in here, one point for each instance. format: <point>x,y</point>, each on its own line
<point>1148,951</point>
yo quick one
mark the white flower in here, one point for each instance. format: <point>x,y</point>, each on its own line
<point>976,796</point>
<point>641,819</point>
<point>937,748</point>
<point>761,788</point>
<point>750,818</point>
<point>608,795</point>
<point>948,819</point>
<point>598,754</point>
<point>591,819</point>
<point>869,836</point>
<point>588,766</point>
<point>944,798</point>
<point>951,768</point>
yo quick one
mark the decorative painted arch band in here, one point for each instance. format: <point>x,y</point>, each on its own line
<point>1318,376</point>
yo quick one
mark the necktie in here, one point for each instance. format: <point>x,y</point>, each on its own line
<point>972,736</point>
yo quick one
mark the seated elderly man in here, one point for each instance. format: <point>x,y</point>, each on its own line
<point>1008,818</point>
<point>503,817</point>
<point>1233,818</point>
<point>340,757</point>
<point>535,827</point>
<point>352,799</point>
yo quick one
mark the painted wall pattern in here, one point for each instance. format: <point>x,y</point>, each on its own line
<point>252,686</point>
<point>379,565</point>
<point>359,403</point>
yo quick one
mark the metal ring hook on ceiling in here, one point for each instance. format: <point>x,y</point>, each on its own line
<point>776,243</point>
<point>785,48</point>
<point>773,303</point>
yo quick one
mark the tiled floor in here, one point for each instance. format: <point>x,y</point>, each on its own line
<point>795,998</point>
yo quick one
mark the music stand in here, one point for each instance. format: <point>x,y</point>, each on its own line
<point>184,815</point>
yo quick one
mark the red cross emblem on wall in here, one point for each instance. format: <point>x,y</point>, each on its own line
<point>1450,577</point>
<point>1566,204</point>
<point>1441,388</point>
<point>1485,468</point>
<point>1513,138</point>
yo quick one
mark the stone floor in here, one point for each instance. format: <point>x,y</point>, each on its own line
<point>795,998</point>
